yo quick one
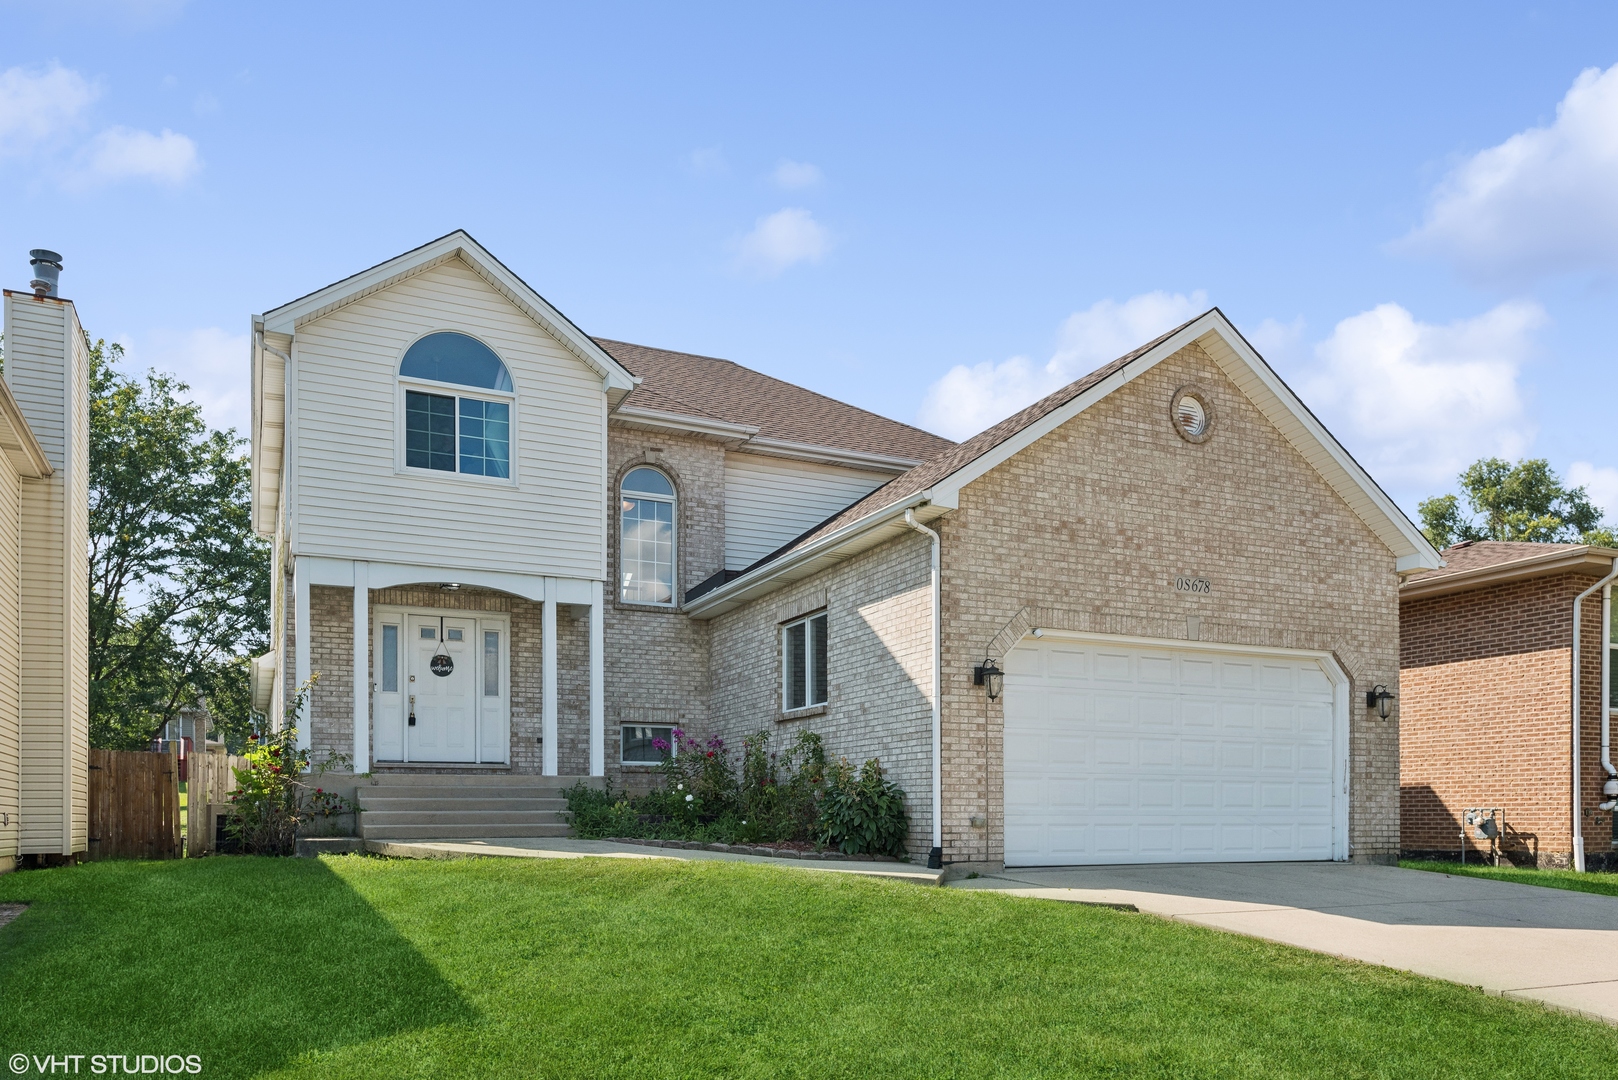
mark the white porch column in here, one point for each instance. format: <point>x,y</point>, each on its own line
<point>598,727</point>
<point>547,675</point>
<point>362,667</point>
<point>300,656</point>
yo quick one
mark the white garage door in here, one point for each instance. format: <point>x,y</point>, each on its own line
<point>1131,754</point>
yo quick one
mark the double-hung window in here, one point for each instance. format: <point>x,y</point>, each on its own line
<point>449,429</point>
<point>803,663</point>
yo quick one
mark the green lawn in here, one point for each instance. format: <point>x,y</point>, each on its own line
<point>361,967</point>
<point>1605,884</point>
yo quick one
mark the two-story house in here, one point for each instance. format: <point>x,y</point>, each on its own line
<point>508,547</point>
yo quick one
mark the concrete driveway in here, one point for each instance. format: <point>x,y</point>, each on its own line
<point>1520,941</point>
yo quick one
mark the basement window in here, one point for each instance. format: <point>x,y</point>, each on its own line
<point>803,663</point>
<point>640,744</point>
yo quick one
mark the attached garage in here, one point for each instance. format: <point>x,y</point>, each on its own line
<point>1124,751</point>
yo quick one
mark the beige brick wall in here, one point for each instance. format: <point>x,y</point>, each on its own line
<point>878,669</point>
<point>1089,528</point>
<point>1485,705</point>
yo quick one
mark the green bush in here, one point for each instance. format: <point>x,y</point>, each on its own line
<point>862,814</point>
<point>278,792</point>
<point>774,797</point>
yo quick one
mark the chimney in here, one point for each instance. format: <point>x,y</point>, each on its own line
<point>47,266</point>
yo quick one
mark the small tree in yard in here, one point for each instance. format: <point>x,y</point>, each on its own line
<point>278,792</point>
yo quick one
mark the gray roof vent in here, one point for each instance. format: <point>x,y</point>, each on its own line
<point>47,271</point>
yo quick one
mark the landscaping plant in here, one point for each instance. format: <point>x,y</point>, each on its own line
<point>279,791</point>
<point>774,797</point>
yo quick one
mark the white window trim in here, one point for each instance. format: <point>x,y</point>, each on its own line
<point>787,708</point>
<point>673,745</point>
<point>403,383</point>
<point>673,601</point>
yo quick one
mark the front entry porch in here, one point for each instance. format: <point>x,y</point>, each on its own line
<point>461,669</point>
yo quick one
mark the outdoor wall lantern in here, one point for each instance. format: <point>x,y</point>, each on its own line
<point>990,677</point>
<point>1377,698</point>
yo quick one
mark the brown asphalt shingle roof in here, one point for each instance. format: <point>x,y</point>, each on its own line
<point>1477,554</point>
<point>720,390</point>
<point>930,472</point>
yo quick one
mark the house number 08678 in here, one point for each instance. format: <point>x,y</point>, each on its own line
<point>1193,584</point>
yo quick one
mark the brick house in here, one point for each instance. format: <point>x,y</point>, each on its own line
<point>1487,706</point>
<point>544,550</point>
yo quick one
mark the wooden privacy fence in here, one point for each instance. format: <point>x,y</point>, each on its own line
<point>210,780</point>
<point>135,802</point>
<point>134,805</point>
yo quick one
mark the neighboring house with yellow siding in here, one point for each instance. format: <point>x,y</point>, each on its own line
<point>44,574</point>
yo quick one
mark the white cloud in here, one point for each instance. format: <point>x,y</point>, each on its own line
<point>1600,483</point>
<point>796,174</point>
<point>1544,201</point>
<point>1423,401</point>
<point>707,162</point>
<point>968,399</point>
<point>38,107</point>
<point>783,239</point>
<point>1278,342</point>
<point>212,361</point>
<point>121,153</point>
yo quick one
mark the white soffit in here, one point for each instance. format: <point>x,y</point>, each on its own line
<point>458,244</point>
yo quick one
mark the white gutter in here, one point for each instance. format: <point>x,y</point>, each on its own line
<point>935,857</point>
<point>1578,809</point>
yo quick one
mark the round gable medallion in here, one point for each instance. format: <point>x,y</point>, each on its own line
<point>1192,413</point>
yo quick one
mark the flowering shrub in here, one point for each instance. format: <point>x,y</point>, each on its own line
<point>785,796</point>
<point>278,791</point>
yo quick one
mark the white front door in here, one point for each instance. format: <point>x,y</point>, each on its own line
<point>441,687</point>
<point>443,721</point>
<point>1120,752</point>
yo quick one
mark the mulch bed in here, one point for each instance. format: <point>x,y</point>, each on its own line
<point>790,850</point>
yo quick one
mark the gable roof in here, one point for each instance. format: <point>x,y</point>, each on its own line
<point>458,244</point>
<point>1474,564</point>
<point>937,483</point>
<point>765,410</point>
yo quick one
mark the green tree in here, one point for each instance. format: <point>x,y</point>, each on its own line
<point>1526,501</point>
<point>179,581</point>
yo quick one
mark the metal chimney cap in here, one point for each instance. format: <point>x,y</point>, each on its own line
<point>47,266</point>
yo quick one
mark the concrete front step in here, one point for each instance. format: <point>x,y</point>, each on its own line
<point>483,818</point>
<point>461,832</point>
<point>464,781</point>
<point>445,803</point>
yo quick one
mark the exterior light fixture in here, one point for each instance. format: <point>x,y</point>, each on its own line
<point>450,586</point>
<point>989,676</point>
<point>1377,698</point>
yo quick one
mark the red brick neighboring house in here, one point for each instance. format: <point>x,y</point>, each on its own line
<point>1486,708</point>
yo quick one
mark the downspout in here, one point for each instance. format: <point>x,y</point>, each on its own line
<point>1578,809</point>
<point>1610,788</point>
<point>935,857</point>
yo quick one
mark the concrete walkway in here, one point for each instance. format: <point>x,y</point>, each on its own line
<point>564,848</point>
<point>1521,941</point>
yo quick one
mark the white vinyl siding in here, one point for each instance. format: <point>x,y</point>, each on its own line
<point>47,366</point>
<point>769,501</point>
<point>1136,754</point>
<point>352,499</point>
<point>10,656</point>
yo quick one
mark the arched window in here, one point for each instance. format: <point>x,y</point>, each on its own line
<point>449,432</point>
<point>646,538</point>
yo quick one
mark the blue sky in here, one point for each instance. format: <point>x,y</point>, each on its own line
<point>934,211</point>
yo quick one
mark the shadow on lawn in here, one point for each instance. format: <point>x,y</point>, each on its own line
<point>245,962</point>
